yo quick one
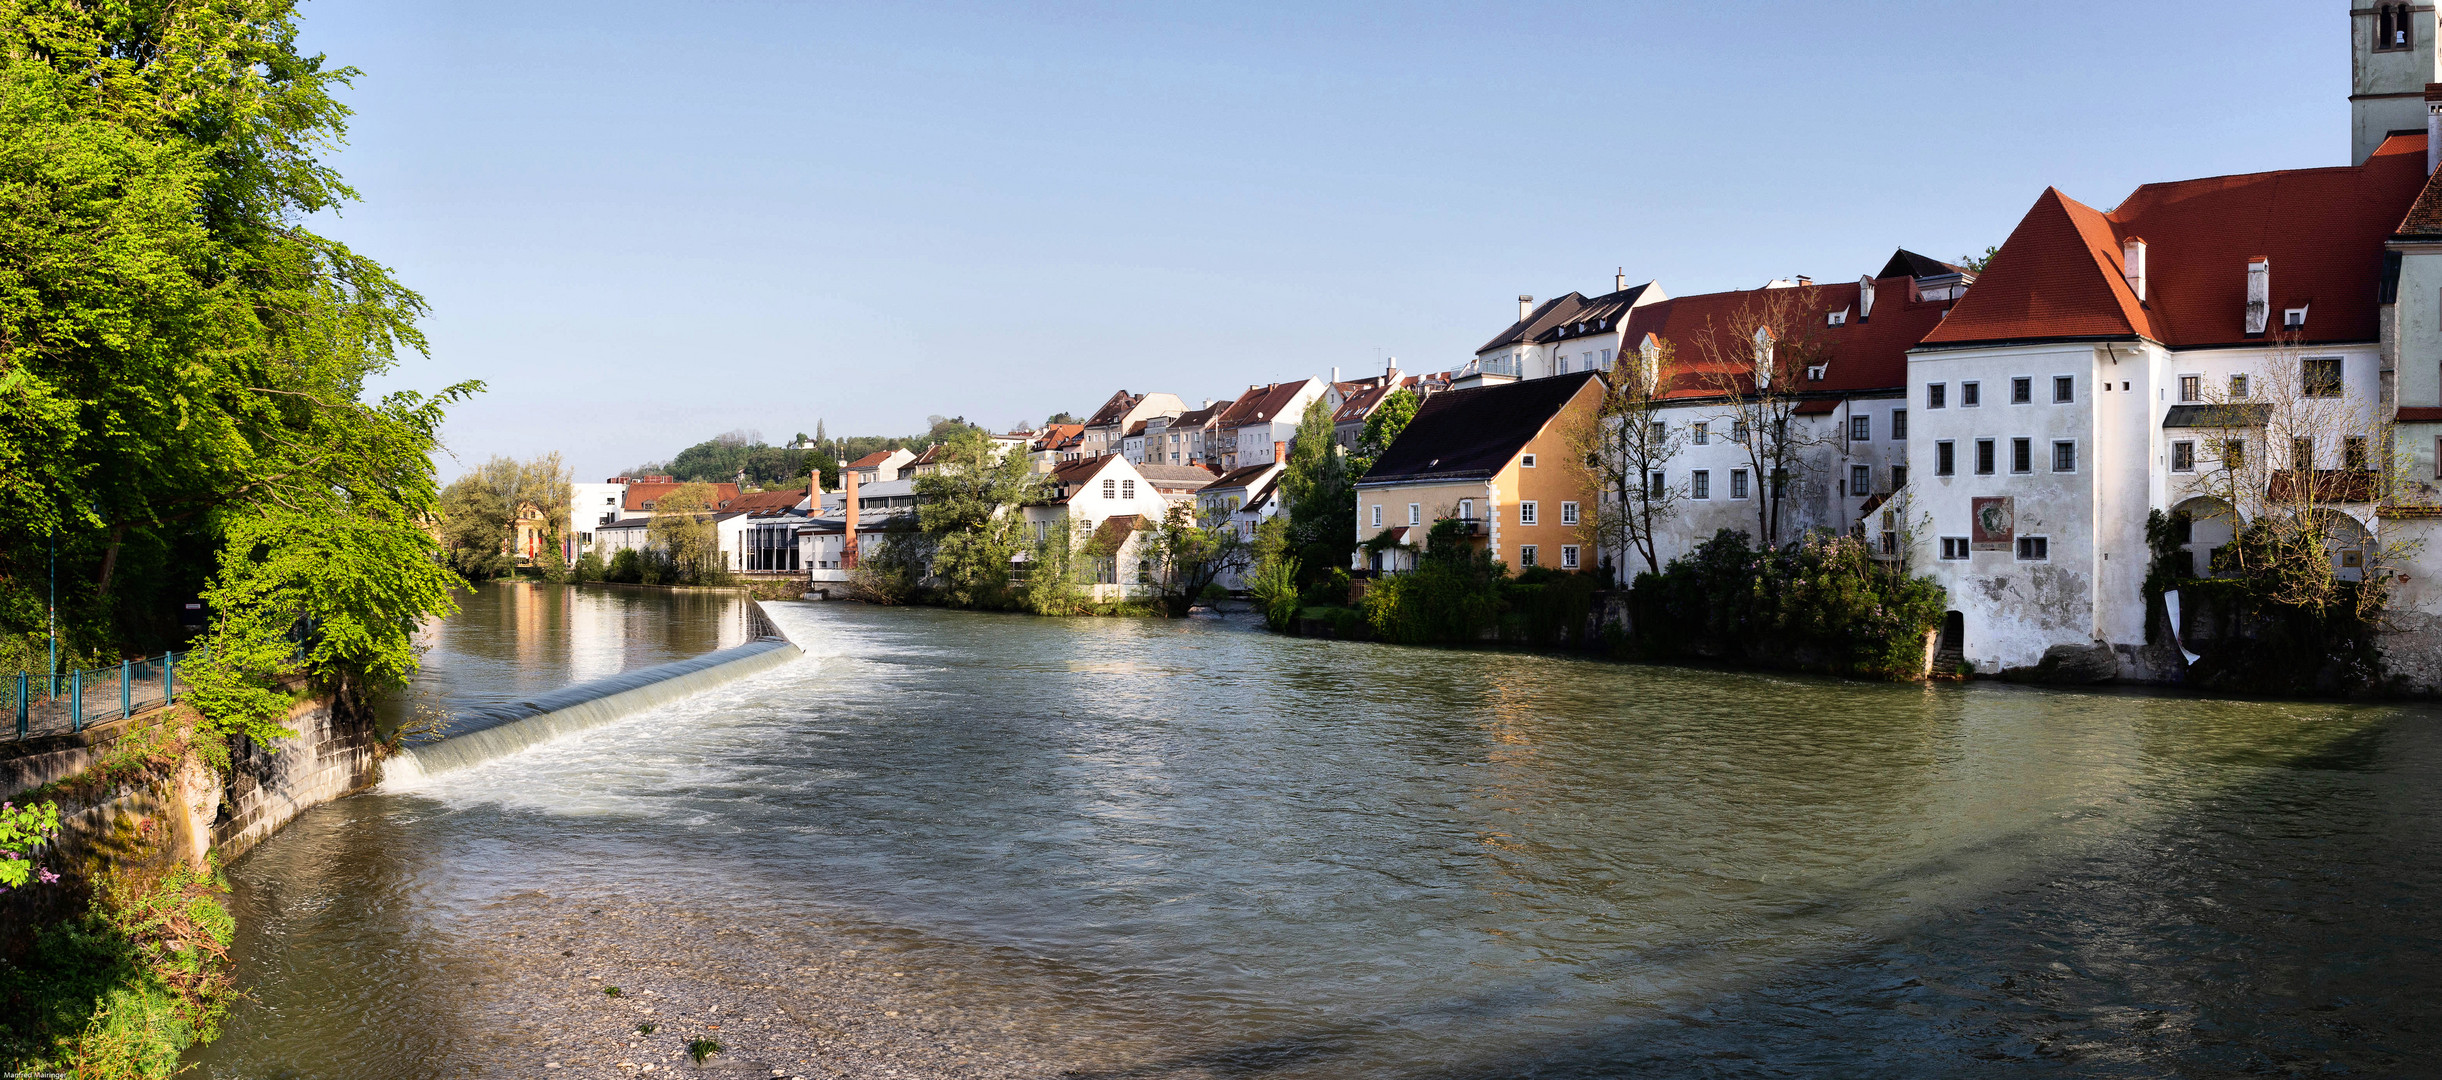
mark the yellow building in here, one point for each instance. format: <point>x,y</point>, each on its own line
<point>1495,459</point>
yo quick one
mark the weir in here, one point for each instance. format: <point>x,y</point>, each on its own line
<point>479,735</point>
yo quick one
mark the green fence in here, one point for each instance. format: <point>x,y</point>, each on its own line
<point>66,702</point>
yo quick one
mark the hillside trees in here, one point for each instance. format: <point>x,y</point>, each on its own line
<point>183,360</point>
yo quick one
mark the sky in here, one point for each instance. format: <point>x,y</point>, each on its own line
<point>643,225</point>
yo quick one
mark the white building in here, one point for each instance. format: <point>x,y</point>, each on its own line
<point>1262,420</point>
<point>1563,335</point>
<point>2059,403</point>
<point>1108,504</point>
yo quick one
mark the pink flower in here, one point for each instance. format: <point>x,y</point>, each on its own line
<point>46,876</point>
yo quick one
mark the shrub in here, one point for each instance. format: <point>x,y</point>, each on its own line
<point>1823,602</point>
<point>626,567</point>
<point>1453,595</point>
<point>588,567</point>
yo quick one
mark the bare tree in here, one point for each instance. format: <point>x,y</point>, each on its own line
<point>1624,444</point>
<point>2291,459</point>
<point>1757,363</point>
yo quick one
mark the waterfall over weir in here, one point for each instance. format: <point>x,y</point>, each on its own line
<point>480,735</point>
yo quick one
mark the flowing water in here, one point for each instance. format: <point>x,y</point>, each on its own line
<point>1191,848</point>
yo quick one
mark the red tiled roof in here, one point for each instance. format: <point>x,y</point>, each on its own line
<point>872,461</point>
<point>1868,354</point>
<point>1057,434</point>
<point>2060,274</point>
<point>640,494</point>
<point>1112,410</point>
<point>767,502</point>
<point>1263,405</point>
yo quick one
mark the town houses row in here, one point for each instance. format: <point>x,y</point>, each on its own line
<point>2007,428</point>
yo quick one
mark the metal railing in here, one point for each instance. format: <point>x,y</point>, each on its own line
<point>64,703</point>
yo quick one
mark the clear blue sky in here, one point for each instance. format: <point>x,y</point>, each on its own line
<point>645,224</point>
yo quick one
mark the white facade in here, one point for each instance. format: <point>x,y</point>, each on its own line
<point>591,506</point>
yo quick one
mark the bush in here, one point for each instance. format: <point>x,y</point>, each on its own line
<point>124,988</point>
<point>626,567</point>
<point>1454,595</point>
<point>1821,603</point>
<point>588,567</point>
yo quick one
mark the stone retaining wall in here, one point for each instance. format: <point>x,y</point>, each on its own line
<point>329,756</point>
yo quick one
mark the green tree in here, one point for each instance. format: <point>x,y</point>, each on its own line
<point>479,514</point>
<point>968,509</point>
<point>183,359</point>
<point>1190,555</point>
<point>1273,582</point>
<point>1320,493</point>
<point>1381,430</point>
<point>682,533</point>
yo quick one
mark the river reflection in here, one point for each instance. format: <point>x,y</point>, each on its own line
<point>1190,848</point>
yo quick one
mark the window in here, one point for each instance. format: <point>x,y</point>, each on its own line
<point>1984,457</point>
<point>2183,457</point>
<point>2022,390</point>
<point>2302,453</point>
<point>1144,571</point>
<point>2238,387</point>
<point>2022,455</point>
<point>1526,555</point>
<point>2391,28</point>
<point>2293,319</point>
<point>1654,433</point>
<point>2353,453</point>
<point>1945,459</point>
<point>2234,453</point>
<point>1466,509</point>
<point>1700,484</point>
<point>1110,489</point>
<point>1933,395</point>
<point>1954,547</point>
<point>1568,513</point>
<point>1738,483</point>
<point>1970,395</point>
<point>1860,480</point>
<point>2064,455</point>
<point>1415,514</point>
<point>1840,317</point>
<point>1860,428</point>
<point>2191,388</point>
<point>1738,432</point>
<point>1377,515</point>
<point>1527,462</point>
<point>1606,358</point>
<point>1703,436</point>
<point>2320,376</point>
<point>2034,548</point>
<point>1899,423</point>
<point>1653,484</point>
<point>1568,556</point>
<point>1899,477</point>
<point>2064,389</point>
<point>1127,489</point>
<point>1780,483</point>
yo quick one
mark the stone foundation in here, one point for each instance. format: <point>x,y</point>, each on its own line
<point>329,756</point>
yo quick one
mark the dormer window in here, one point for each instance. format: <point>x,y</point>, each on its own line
<point>1815,372</point>
<point>1840,317</point>
<point>2293,319</point>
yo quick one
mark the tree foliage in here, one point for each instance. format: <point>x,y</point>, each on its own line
<point>1320,493</point>
<point>1390,418</point>
<point>1622,445</point>
<point>1189,556</point>
<point>479,512</point>
<point>682,533</point>
<point>1823,602</point>
<point>968,511</point>
<point>184,359</point>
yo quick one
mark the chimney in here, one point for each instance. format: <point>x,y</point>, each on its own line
<point>1865,298</point>
<point>2259,293</point>
<point>1619,280</point>
<point>847,551</point>
<point>2433,127</point>
<point>1280,450</point>
<point>1804,281</point>
<point>1390,373</point>
<point>1335,374</point>
<point>2132,265</point>
<point>1526,306</point>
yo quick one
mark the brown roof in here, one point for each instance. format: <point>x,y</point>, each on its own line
<point>1862,354</point>
<point>767,502</point>
<point>872,461</point>
<point>1058,435</point>
<point>1244,475</point>
<point>1112,410</point>
<point>1197,418</point>
<point>1262,405</point>
<point>1113,532</point>
<point>2060,273</point>
<point>641,496</point>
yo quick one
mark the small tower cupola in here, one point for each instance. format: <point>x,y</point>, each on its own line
<point>2132,265</point>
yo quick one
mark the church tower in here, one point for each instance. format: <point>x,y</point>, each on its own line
<point>2391,58</point>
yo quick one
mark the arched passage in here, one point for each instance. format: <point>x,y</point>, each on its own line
<point>2210,524</point>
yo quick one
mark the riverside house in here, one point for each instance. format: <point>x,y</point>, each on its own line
<point>1495,459</point>
<point>1110,503</point>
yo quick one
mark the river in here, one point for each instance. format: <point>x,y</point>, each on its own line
<point>1189,848</point>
